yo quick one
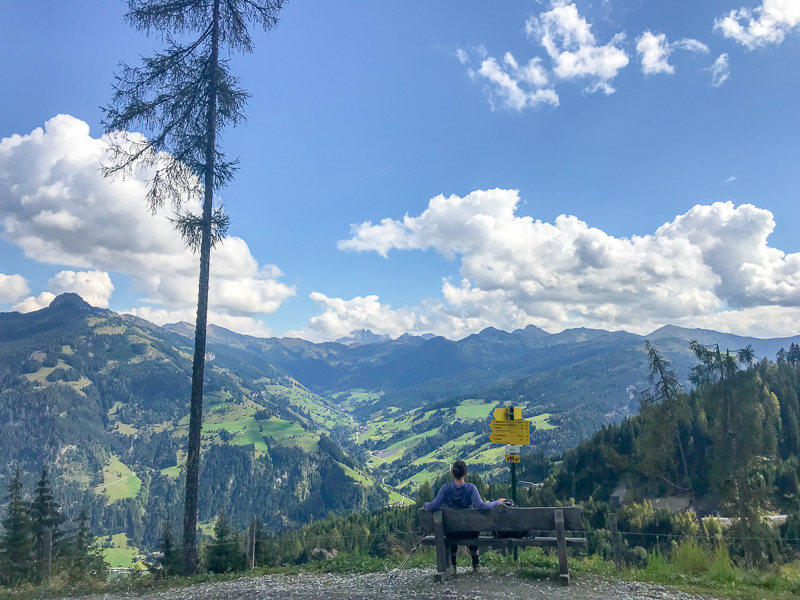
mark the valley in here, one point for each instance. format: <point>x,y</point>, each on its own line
<point>292,431</point>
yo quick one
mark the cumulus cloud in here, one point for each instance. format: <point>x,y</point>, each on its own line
<point>766,24</point>
<point>712,263</point>
<point>720,70</point>
<point>462,56</point>
<point>12,287</point>
<point>568,40</point>
<point>59,209</point>
<point>93,286</point>
<point>654,51</point>
<point>574,52</point>
<point>340,317</point>
<point>32,303</point>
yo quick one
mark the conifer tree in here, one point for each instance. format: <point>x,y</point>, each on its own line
<point>16,544</point>
<point>424,493</point>
<point>85,557</point>
<point>662,409</point>
<point>183,98</point>
<point>224,554</point>
<point>45,514</point>
<point>170,562</point>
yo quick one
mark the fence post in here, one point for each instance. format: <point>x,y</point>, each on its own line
<point>615,541</point>
<point>47,553</point>
<point>250,545</point>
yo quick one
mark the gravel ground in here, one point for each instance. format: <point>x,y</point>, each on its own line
<point>413,584</point>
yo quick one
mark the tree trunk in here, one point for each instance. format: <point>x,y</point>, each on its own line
<point>198,364</point>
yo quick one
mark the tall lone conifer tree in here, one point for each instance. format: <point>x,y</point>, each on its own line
<point>183,98</point>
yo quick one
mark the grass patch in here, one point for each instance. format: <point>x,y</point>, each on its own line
<point>395,497</point>
<point>206,529</point>
<point>109,330</point>
<point>359,477</point>
<point>126,429</point>
<point>490,456</point>
<point>474,409</point>
<point>449,452</point>
<point>118,481</point>
<point>173,472</point>
<point>695,569</point>
<point>40,376</point>
<point>542,421</point>
<point>349,400</point>
<point>252,431</point>
<point>120,554</point>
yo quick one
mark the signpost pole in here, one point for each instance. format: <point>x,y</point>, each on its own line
<point>513,479</point>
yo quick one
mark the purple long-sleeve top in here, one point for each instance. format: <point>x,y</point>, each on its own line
<point>465,495</point>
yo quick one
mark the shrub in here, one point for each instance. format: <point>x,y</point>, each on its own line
<point>691,558</point>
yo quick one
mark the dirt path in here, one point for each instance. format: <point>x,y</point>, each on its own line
<point>414,584</point>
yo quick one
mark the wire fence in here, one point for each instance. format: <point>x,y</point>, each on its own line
<point>346,542</point>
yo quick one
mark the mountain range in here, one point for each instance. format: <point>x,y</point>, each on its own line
<point>294,430</point>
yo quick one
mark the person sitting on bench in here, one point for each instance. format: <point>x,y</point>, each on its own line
<point>458,494</point>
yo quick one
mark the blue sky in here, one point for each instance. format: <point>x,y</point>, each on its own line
<point>417,166</point>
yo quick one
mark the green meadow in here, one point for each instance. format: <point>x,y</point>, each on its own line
<point>118,481</point>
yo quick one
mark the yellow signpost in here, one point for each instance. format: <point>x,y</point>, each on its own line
<point>510,432</point>
<point>509,428</point>
<point>504,414</point>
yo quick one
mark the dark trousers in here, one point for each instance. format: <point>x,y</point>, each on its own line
<point>473,550</point>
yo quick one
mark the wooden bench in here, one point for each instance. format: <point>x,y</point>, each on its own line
<point>435,527</point>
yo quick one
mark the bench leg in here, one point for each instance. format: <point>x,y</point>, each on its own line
<point>561,548</point>
<point>443,567</point>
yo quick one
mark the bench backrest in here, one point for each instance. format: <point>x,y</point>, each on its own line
<point>502,518</point>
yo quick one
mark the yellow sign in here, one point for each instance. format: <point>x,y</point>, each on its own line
<point>514,458</point>
<point>510,432</point>
<point>501,414</point>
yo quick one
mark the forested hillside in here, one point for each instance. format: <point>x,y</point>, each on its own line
<point>732,442</point>
<point>101,400</point>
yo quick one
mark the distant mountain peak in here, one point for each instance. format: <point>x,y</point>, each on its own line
<point>363,336</point>
<point>70,301</point>
<point>531,331</point>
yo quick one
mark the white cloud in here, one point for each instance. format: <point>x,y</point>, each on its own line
<point>654,51</point>
<point>59,209</point>
<point>568,40</point>
<point>32,303</point>
<point>517,87</point>
<point>763,25</point>
<point>760,321</point>
<point>711,263</point>
<point>730,180</point>
<point>93,286</point>
<point>575,54</point>
<point>720,70</point>
<point>462,56</point>
<point>690,45</point>
<point>340,317</point>
<point>12,287</point>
